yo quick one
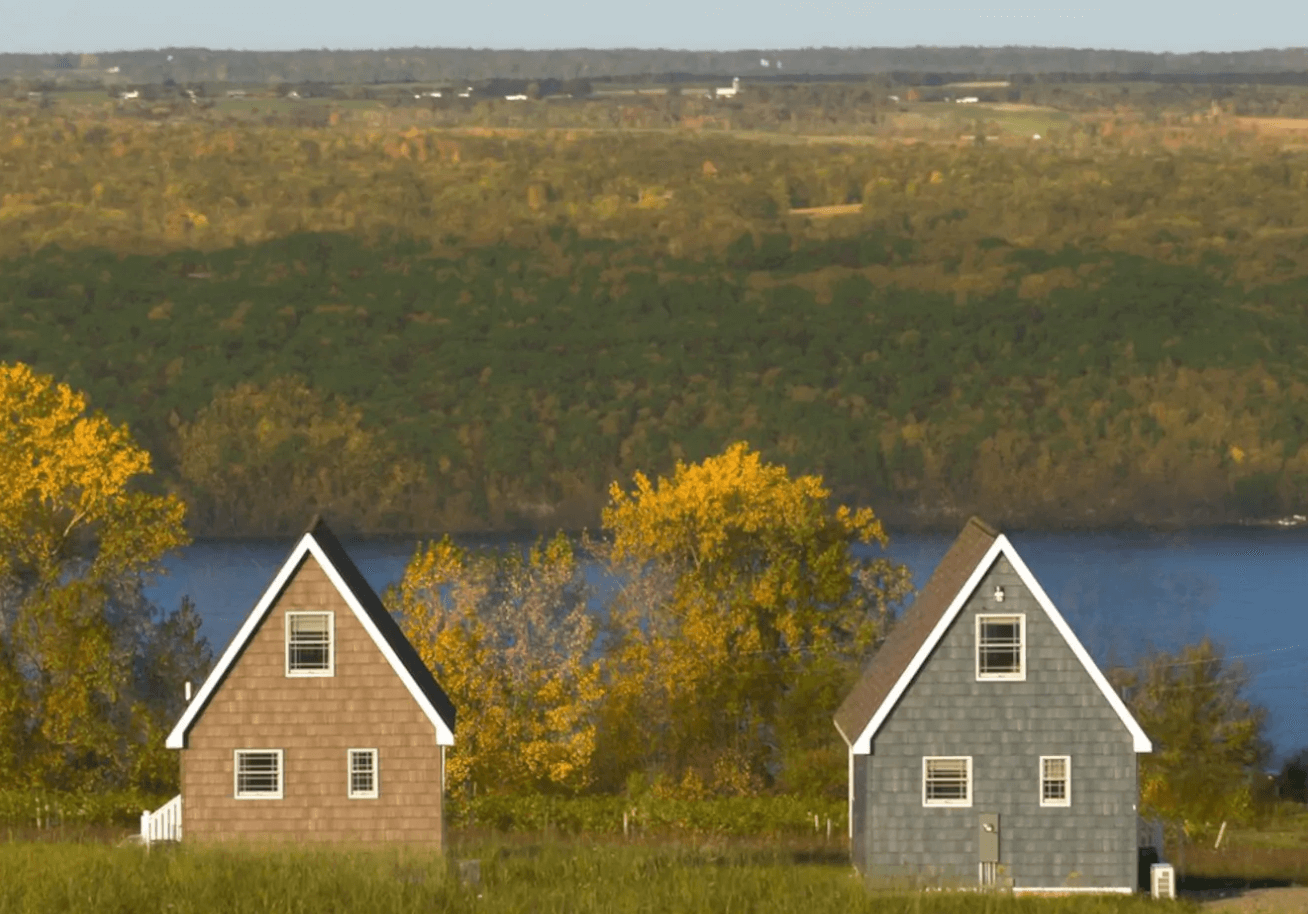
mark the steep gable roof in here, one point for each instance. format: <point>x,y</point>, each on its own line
<point>911,642</point>
<point>904,640</point>
<point>319,542</point>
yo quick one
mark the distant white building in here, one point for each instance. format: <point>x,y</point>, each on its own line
<point>968,100</point>
<point>728,91</point>
<point>515,98</point>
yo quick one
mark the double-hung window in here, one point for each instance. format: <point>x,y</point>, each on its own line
<point>1055,780</point>
<point>947,780</point>
<point>310,648</point>
<point>1000,646</point>
<point>259,774</point>
<point>362,774</point>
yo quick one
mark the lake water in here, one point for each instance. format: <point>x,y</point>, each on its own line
<point>1123,593</point>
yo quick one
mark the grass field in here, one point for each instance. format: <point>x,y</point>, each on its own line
<point>999,119</point>
<point>1274,853</point>
<point>539,877</point>
<point>85,864</point>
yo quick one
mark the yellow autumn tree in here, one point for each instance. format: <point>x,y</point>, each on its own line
<point>512,641</point>
<point>76,537</point>
<point>770,598</point>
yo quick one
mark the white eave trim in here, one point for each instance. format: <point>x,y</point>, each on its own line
<point>307,544</point>
<point>1001,545</point>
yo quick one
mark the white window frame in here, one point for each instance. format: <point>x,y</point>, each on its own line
<point>330,670</point>
<point>1007,676</point>
<point>1066,799</point>
<point>967,784</point>
<point>353,794</point>
<point>258,794</point>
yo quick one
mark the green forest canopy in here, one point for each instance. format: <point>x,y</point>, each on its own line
<point>1101,329</point>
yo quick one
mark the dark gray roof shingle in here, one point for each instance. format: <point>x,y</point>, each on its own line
<point>912,631</point>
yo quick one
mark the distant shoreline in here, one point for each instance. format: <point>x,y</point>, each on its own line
<point>940,526</point>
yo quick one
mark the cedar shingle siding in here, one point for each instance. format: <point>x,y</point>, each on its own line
<point>1005,726</point>
<point>315,721</point>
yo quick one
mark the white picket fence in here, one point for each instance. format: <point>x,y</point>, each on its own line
<point>164,824</point>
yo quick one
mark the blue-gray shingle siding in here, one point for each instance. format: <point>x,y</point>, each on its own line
<point>1005,726</point>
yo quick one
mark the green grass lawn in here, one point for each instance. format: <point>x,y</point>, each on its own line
<point>1275,852</point>
<point>540,877</point>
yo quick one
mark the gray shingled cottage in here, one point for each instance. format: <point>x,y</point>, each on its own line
<point>985,745</point>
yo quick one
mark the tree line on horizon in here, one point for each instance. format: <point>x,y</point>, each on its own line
<point>418,64</point>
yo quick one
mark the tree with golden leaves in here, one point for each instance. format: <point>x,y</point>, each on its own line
<point>511,640</point>
<point>76,538</point>
<point>772,598</point>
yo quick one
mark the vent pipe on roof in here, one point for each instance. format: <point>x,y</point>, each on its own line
<point>188,690</point>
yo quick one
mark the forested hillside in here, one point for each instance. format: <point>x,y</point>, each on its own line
<point>439,328</point>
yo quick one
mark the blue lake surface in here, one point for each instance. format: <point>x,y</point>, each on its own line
<point>1123,593</point>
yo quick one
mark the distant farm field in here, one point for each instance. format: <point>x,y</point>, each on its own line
<point>1274,124</point>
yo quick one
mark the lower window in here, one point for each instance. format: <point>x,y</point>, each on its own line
<point>258,774</point>
<point>362,774</point>
<point>947,780</point>
<point>1055,780</point>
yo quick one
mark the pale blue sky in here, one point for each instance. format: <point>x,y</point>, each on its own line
<point>1145,25</point>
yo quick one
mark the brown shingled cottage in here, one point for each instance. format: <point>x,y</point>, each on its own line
<point>318,723</point>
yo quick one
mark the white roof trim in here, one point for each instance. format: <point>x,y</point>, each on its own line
<point>1001,545</point>
<point>307,544</point>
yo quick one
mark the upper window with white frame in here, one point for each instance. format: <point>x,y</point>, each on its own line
<point>363,774</point>
<point>1000,646</point>
<point>310,647</point>
<point>947,780</point>
<point>1055,780</point>
<point>258,774</point>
